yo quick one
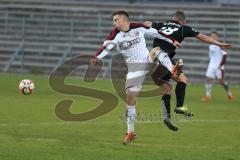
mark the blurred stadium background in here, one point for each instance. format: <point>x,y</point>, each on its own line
<point>39,35</point>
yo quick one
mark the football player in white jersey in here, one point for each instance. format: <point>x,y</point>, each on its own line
<point>215,69</point>
<point>129,38</point>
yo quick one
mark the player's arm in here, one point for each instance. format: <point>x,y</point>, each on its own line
<point>191,32</point>
<point>107,46</point>
<point>156,25</point>
<point>149,31</point>
<point>210,40</point>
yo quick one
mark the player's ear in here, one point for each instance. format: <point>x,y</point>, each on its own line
<point>126,18</point>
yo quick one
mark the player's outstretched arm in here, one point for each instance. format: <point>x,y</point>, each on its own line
<point>210,40</point>
<point>225,46</point>
<point>107,46</point>
<point>152,32</point>
<point>175,43</point>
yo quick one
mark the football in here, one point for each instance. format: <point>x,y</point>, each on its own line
<point>26,86</point>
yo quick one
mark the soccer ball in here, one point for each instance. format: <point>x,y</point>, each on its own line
<point>26,86</point>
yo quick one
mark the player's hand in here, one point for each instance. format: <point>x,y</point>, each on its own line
<point>177,44</point>
<point>93,61</point>
<point>221,67</point>
<point>225,46</point>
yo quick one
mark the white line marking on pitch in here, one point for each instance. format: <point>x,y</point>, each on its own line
<point>136,143</point>
<point>115,122</point>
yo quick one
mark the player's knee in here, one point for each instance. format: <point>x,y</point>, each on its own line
<point>166,89</point>
<point>167,92</point>
<point>153,53</point>
<point>132,94</point>
<point>155,50</point>
<point>221,81</point>
<point>209,80</point>
<point>183,78</point>
<point>131,100</point>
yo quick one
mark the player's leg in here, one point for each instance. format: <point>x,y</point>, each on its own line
<point>161,78</point>
<point>163,58</point>
<point>180,96</point>
<point>134,79</point>
<point>166,105</point>
<point>131,95</point>
<point>225,85</point>
<point>210,75</point>
<point>180,90</point>
<point>208,89</point>
<point>166,99</point>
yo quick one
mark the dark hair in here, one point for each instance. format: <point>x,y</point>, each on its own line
<point>179,15</point>
<point>120,12</point>
<point>215,32</point>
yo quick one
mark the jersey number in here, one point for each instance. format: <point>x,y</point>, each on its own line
<point>168,30</point>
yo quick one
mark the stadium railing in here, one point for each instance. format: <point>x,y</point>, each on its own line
<point>47,33</point>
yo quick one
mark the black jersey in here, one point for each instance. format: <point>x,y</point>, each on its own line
<point>174,30</point>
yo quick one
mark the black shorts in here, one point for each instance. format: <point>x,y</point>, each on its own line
<point>162,74</point>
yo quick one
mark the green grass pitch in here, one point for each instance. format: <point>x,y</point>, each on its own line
<point>30,130</point>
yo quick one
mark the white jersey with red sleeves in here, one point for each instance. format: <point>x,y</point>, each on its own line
<point>216,55</point>
<point>132,43</point>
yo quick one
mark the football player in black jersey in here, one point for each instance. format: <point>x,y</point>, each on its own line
<point>175,28</point>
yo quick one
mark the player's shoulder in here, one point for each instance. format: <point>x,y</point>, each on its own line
<point>189,27</point>
<point>113,34</point>
<point>138,25</point>
<point>157,25</point>
<point>186,26</point>
<point>115,30</point>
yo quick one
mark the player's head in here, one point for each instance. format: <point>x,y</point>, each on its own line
<point>120,19</point>
<point>180,17</point>
<point>215,35</point>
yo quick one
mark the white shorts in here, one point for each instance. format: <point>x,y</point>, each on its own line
<point>215,73</point>
<point>137,73</point>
